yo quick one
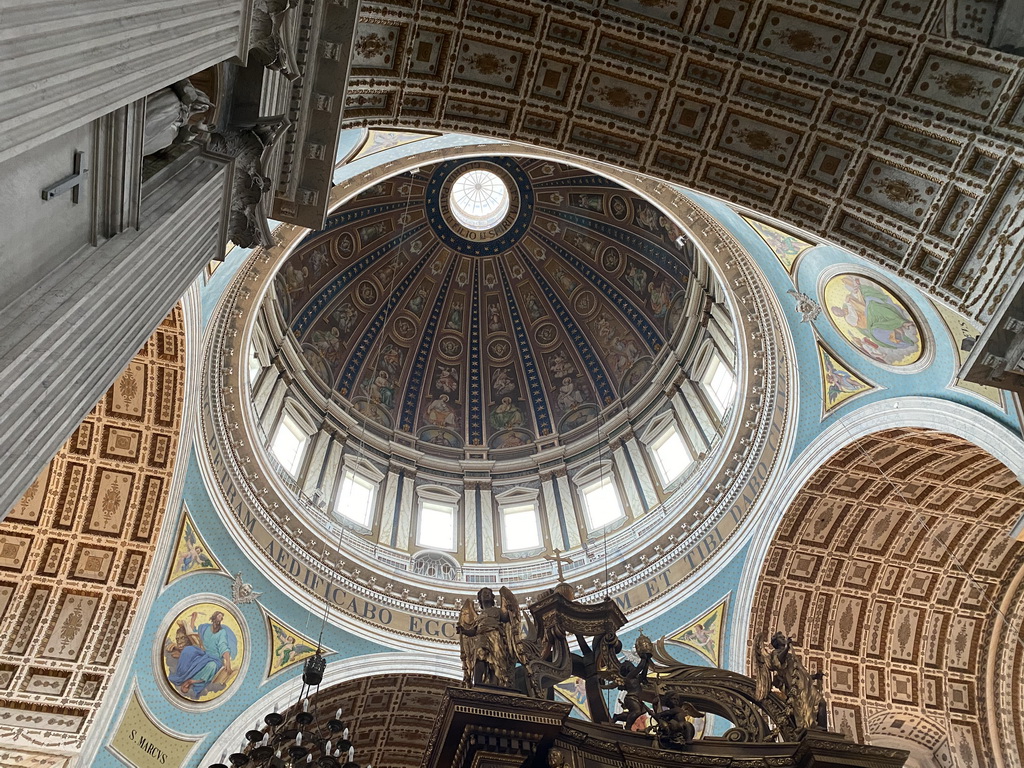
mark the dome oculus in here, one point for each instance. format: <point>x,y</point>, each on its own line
<point>479,207</point>
<point>479,199</point>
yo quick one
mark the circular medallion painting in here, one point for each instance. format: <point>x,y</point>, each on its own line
<point>873,320</point>
<point>203,651</point>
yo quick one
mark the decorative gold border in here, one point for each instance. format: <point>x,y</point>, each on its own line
<point>158,646</point>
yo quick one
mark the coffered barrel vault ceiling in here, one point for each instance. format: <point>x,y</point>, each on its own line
<point>76,551</point>
<point>493,339</point>
<point>886,569</point>
<point>880,125</point>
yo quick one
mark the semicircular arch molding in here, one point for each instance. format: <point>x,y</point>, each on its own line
<point>887,568</point>
<point>907,412</point>
<point>346,683</point>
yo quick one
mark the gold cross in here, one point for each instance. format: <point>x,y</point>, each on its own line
<point>558,560</point>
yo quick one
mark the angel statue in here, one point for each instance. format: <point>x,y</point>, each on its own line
<point>674,719</point>
<point>632,681</point>
<point>488,639</point>
<point>778,665</point>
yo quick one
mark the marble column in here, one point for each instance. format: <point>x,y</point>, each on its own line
<point>66,339</point>
<point>121,53</point>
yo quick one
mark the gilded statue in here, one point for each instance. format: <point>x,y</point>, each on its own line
<point>488,644</point>
<point>778,665</point>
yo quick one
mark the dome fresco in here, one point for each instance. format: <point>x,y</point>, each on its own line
<point>496,337</point>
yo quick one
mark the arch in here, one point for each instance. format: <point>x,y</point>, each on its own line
<point>96,520</point>
<point>886,566</point>
<point>446,666</point>
<point>910,412</point>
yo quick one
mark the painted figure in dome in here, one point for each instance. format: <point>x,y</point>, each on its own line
<point>560,365</point>
<point>418,300</point>
<point>328,343</point>
<point>441,414</point>
<point>447,381</point>
<point>390,358</point>
<point>506,415</point>
<point>345,316</point>
<point>533,308</point>
<point>502,383</point>
<point>288,647</point>
<point>494,321</point>
<point>839,381</point>
<point>699,635</point>
<point>661,296</point>
<point>319,260</point>
<point>455,317</point>
<point>637,278</point>
<point>295,278</point>
<point>194,556</point>
<point>381,390</point>
<point>205,655</point>
<point>568,395</point>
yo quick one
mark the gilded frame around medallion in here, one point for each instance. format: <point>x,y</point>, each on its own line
<point>912,308</point>
<point>157,655</point>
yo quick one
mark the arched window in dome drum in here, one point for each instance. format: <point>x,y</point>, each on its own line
<point>719,383</point>
<point>520,520</point>
<point>671,456</point>
<point>255,365</point>
<point>288,444</point>
<point>356,498</point>
<point>436,518</point>
<point>600,495</point>
<point>355,501</point>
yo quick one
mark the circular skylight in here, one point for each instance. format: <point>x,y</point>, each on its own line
<point>479,199</point>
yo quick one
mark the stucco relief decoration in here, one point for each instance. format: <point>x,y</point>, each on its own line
<point>873,320</point>
<point>203,650</point>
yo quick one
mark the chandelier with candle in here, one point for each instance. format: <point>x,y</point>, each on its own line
<point>297,738</point>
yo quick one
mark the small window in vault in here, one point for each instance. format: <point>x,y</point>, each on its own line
<point>288,443</point>
<point>520,525</point>
<point>601,503</point>
<point>436,528</point>
<point>356,498</point>
<point>671,456</point>
<point>720,384</point>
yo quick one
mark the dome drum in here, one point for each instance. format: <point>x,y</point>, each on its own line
<point>596,296</point>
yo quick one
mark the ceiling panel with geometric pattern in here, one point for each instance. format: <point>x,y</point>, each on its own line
<point>875,125</point>
<point>75,553</point>
<point>887,570</point>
